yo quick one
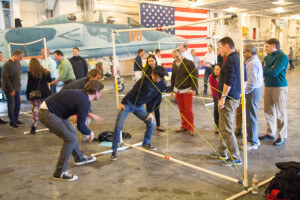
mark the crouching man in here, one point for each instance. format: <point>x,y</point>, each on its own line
<point>146,90</point>
<point>54,113</point>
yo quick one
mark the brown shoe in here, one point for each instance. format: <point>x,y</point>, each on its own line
<point>181,129</point>
<point>192,132</point>
<point>161,129</point>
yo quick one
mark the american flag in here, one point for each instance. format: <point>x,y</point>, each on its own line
<point>153,15</point>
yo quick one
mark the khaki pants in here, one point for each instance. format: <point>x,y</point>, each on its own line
<point>238,118</point>
<point>226,128</point>
<point>275,99</point>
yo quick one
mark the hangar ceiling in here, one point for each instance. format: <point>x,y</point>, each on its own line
<point>274,8</point>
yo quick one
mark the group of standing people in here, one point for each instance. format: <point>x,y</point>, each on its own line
<point>225,82</point>
<point>273,70</point>
<point>39,76</point>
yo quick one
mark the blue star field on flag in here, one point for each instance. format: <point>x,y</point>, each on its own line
<point>153,15</point>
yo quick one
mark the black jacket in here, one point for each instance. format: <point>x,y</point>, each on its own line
<point>230,75</point>
<point>33,82</point>
<point>138,64</point>
<point>80,67</point>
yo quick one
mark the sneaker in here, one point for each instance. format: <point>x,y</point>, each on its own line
<point>217,130</point>
<point>250,146</point>
<point>238,132</point>
<point>149,146</point>
<point>114,155</point>
<point>85,160</point>
<point>2,121</point>
<point>267,138</point>
<point>204,93</point>
<point>33,130</point>
<point>279,142</point>
<point>18,122</point>
<point>218,156</point>
<point>181,129</point>
<point>161,129</point>
<point>192,132</point>
<point>65,176</point>
<point>13,125</point>
<point>230,162</point>
<point>258,143</point>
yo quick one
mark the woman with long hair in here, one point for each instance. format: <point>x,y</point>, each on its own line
<point>213,81</point>
<point>150,65</point>
<point>38,77</point>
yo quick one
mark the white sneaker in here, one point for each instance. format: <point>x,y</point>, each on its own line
<point>250,146</point>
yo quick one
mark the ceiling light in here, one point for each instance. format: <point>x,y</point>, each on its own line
<point>281,2</point>
<point>296,17</point>
<point>278,10</point>
<point>278,2</point>
<point>231,9</point>
<point>197,3</point>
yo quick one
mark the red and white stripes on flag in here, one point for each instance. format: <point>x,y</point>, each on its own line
<point>153,15</point>
<point>184,16</point>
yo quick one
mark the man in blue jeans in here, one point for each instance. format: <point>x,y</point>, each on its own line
<point>11,86</point>
<point>253,93</point>
<point>148,90</point>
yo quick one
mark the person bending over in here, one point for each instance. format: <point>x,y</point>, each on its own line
<point>54,114</point>
<point>93,74</point>
<point>147,91</point>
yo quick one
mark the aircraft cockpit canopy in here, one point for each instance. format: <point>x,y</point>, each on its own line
<point>103,18</point>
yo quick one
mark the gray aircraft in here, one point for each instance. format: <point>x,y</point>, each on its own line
<point>90,32</point>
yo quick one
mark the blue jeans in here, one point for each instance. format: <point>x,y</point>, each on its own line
<point>142,114</point>
<point>53,87</point>
<point>252,100</point>
<point>13,106</point>
<point>208,71</point>
<point>63,129</point>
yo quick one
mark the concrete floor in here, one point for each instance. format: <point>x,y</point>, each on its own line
<point>28,161</point>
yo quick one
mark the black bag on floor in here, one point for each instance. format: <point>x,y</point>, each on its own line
<point>108,136</point>
<point>286,183</point>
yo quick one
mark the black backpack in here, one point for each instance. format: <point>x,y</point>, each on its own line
<point>286,183</point>
<point>107,136</point>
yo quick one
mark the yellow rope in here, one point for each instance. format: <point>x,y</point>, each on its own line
<point>192,78</point>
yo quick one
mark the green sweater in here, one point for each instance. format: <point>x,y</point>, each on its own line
<point>275,66</point>
<point>65,70</point>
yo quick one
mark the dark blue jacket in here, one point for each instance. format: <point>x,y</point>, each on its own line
<point>231,76</point>
<point>145,91</point>
<point>138,64</point>
<point>71,102</point>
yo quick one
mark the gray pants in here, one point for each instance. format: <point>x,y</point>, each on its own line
<point>275,110</point>
<point>63,129</point>
<point>226,128</point>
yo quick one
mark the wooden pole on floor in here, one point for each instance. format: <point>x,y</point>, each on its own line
<point>119,149</point>
<point>249,189</point>
<point>186,164</point>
